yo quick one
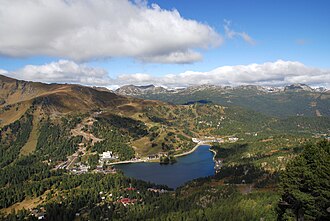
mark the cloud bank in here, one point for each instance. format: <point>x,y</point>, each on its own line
<point>63,71</point>
<point>86,30</point>
<point>278,73</point>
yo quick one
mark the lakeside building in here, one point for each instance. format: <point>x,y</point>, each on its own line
<point>154,156</point>
<point>195,140</point>
<point>108,155</point>
<point>207,140</point>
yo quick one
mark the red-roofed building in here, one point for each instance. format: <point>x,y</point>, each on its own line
<point>127,201</point>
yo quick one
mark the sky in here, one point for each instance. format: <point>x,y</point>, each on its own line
<point>172,43</point>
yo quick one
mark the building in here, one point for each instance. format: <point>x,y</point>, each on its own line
<point>195,140</point>
<point>151,157</point>
<point>107,155</point>
<point>232,139</point>
<point>127,201</point>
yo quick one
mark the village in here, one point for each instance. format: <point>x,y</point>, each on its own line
<point>108,159</point>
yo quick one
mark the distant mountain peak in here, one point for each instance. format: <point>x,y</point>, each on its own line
<point>133,90</point>
<point>298,87</point>
<point>137,90</point>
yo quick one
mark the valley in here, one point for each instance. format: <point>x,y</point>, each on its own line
<point>62,147</point>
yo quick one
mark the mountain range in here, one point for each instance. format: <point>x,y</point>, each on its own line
<point>145,89</point>
<point>292,100</point>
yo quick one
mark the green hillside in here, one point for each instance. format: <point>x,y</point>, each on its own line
<point>279,104</point>
<point>63,176</point>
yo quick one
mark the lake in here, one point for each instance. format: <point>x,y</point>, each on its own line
<point>195,165</point>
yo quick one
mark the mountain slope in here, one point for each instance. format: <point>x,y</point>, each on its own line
<point>59,113</point>
<point>16,97</point>
<point>293,100</point>
<point>16,91</point>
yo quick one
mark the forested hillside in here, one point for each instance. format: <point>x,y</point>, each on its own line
<point>53,137</point>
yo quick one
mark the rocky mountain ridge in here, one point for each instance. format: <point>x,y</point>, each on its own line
<point>133,90</point>
<point>291,100</point>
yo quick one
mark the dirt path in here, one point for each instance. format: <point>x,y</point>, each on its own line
<point>78,131</point>
<point>88,136</point>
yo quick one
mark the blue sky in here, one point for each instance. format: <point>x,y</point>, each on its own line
<point>288,30</point>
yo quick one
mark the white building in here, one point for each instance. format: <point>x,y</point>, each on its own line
<point>107,155</point>
<point>195,140</point>
<point>233,139</point>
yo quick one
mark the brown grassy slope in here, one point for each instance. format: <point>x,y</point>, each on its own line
<point>14,91</point>
<point>17,96</point>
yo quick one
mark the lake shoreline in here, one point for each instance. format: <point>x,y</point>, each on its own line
<point>190,151</point>
<point>153,161</point>
<point>214,152</point>
<point>199,163</point>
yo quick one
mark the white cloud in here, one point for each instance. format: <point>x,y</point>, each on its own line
<point>137,78</point>
<point>84,30</point>
<point>230,33</point>
<point>278,73</point>
<point>63,71</point>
